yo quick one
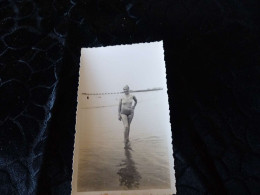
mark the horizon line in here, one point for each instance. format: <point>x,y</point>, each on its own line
<point>139,90</point>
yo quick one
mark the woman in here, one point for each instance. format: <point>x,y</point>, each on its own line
<point>126,111</point>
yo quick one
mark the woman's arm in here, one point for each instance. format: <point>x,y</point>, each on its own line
<point>134,98</point>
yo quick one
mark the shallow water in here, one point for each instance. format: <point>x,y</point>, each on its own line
<point>104,164</point>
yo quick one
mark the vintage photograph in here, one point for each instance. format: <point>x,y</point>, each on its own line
<point>123,131</point>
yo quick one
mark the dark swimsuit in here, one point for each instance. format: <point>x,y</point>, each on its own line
<point>126,110</point>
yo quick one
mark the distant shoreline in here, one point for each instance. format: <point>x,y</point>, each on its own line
<point>132,91</point>
<point>146,90</point>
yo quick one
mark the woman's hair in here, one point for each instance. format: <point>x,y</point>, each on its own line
<point>126,87</point>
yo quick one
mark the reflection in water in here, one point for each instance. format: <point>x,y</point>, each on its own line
<point>128,174</point>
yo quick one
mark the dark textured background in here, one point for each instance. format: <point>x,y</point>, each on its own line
<point>212,54</point>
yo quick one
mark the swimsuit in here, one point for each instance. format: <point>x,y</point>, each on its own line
<point>126,107</point>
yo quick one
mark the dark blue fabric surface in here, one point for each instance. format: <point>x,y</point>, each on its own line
<point>212,57</point>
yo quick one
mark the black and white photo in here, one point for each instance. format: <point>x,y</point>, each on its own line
<point>123,131</point>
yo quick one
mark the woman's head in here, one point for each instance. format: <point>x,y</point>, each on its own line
<point>126,89</point>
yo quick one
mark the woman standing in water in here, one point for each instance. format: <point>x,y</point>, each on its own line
<point>126,111</point>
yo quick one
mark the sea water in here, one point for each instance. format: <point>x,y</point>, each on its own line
<point>104,163</point>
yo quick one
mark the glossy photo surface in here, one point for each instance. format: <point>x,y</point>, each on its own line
<point>123,140</point>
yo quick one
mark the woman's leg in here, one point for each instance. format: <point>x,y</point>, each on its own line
<point>126,126</point>
<point>130,118</point>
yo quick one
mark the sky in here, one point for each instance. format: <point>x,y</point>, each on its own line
<point>109,69</point>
